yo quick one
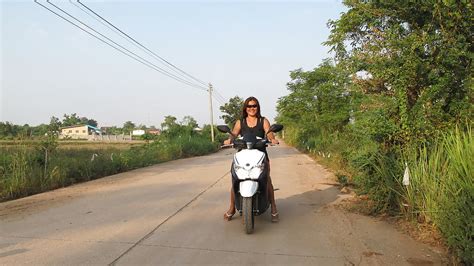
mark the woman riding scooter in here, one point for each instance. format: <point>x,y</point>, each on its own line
<point>253,122</point>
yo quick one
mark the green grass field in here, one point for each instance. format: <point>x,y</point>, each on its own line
<point>30,167</point>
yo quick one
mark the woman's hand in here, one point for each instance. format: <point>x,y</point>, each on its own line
<point>274,141</point>
<point>227,142</point>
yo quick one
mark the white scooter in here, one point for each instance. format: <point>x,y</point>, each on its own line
<point>250,175</point>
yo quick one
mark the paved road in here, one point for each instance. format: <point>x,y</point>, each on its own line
<point>172,214</point>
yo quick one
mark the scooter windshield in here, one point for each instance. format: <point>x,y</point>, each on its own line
<point>249,141</point>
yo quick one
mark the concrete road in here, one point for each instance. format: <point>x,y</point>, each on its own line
<point>172,214</point>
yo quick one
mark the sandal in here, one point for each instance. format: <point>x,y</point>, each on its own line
<point>275,217</point>
<point>228,216</point>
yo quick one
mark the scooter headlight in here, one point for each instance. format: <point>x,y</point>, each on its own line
<point>240,171</point>
<point>255,172</point>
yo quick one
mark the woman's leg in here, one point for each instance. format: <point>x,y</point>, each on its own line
<point>228,214</point>
<point>271,194</point>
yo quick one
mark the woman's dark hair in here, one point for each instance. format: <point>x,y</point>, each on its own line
<point>244,107</point>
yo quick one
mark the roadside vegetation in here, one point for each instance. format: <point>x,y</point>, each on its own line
<point>33,165</point>
<point>397,97</point>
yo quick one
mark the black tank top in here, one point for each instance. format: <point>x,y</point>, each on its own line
<point>257,129</point>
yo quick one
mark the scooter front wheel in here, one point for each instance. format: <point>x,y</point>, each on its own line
<point>247,211</point>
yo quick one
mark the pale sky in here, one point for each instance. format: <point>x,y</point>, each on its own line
<point>49,67</point>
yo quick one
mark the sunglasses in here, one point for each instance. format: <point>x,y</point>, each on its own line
<point>252,106</point>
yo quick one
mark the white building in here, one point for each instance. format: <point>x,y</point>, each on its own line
<point>79,132</point>
<point>138,132</point>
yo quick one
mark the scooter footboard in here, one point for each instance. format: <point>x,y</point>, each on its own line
<point>262,203</point>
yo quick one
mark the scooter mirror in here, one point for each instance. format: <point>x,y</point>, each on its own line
<point>223,128</point>
<point>275,128</point>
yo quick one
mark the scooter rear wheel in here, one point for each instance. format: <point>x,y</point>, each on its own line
<point>247,211</point>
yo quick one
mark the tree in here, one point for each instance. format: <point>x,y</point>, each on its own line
<point>71,120</point>
<point>232,110</point>
<point>318,101</point>
<point>419,56</point>
<point>8,129</point>
<point>128,127</point>
<point>54,124</point>
<point>169,122</point>
<point>42,129</point>
<point>189,121</point>
<point>87,121</point>
<point>74,119</point>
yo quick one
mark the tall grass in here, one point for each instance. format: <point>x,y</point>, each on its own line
<point>25,170</point>
<point>441,189</point>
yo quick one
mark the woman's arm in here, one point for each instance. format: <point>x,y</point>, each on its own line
<point>270,135</point>
<point>235,132</point>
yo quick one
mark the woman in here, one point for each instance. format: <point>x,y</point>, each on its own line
<point>252,121</point>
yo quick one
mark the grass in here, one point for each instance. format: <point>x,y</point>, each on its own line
<point>441,190</point>
<point>26,168</point>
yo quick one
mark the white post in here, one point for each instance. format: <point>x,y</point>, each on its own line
<point>210,109</point>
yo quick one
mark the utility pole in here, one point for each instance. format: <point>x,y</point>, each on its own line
<point>210,107</point>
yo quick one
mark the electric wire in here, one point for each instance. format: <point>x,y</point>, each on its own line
<point>220,95</point>
<point>219,101</point>
<point>129,40</point>
<point>162,70</point>
<point>157,56</point>
<point>217,96</point>
<point>139,59</point>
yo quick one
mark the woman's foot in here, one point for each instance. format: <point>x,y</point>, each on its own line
<point>275,217</point>
<point>228,215</point>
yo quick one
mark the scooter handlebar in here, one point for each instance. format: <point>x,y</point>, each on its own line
<point>266,141</point>
<point>227,146</point>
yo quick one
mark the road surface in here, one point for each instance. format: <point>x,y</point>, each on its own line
<point>172,213</point>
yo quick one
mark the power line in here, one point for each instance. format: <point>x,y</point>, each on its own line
<point>219,101</point>
<point>223,100</point>
<point>141,60</point>
<point>157,56</point>
<point>128,40</point>
<point>161,70</point>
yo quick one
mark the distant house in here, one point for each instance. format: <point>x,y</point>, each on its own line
<point>138,132</point>
<point>154,131</point>
<point>79,131</point>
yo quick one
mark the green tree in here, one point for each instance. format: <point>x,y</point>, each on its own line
<point>189,121</point>
<point>54,124</point>
<point>41,130</point>
<point>70,120</point>
<point>318,101</point>
<point>417,53</point>
<point>90,122</point>
<point>128,127</point>
<point>169,122</point>
<point>74,119</point>
<point>232,110</point>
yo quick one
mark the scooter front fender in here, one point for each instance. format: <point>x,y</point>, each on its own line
<point>248,188</point>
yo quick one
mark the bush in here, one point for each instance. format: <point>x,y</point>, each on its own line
<point>25,170</point>
<point>441,189</point>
